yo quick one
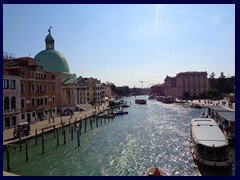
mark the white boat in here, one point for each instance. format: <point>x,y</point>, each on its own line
<point>208,144</point>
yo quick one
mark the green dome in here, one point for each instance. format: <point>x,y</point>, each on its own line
<point>52,61</point>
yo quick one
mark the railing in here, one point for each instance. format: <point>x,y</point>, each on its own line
<point>11,111</point>
<point>214,158</point>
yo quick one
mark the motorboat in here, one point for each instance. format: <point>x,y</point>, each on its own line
<point>121,112</point>
<point>140,101</point>
<point>208,144</point>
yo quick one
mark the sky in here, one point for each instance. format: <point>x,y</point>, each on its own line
<point>127,43</point>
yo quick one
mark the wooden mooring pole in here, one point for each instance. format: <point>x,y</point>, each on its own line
<point>91,122</point>
<point>79,129</point>
<point>35,136</point>
<point>78,136</point>
<point>26,151</point>
<point>85,125</point>
<point>54,131</point>
<point>57,138</point>
<point>72,132</point>
<point>42,141</point>
<point>8,159</point>
<point>64,139</point>
<point>20,141</point>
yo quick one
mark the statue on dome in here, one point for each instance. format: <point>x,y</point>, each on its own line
<point>49,30</point>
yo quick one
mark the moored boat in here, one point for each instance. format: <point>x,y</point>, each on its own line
<point>153,171</point>
<point>208,144</point>
<point>140,101</point>
<point>121,112</point>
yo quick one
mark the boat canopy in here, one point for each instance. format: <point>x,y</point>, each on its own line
<point>217,108</point>
<point>228,115</point>
<point>206,132</point>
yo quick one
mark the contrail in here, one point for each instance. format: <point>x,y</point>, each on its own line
<point>156,20</point>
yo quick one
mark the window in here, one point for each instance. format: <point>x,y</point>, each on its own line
<point>23,116</point>
<point>6,84</point>
<point>41,101</point>
<point>38,89</point>
<point>14,121</point>
<point>33,102</point>
<point>53,88</point>
<point>12,84</point>
<point>45,101</point>
<point>38,103</point>
<point>45,88</point>
<point>13,102</point>
<point>33,114</point>
<point>22,103</point>
<point>53,100</point>
<point>33,88</point>
<point>22,87</point>
<point>6,103</point>
<point>7,122</point>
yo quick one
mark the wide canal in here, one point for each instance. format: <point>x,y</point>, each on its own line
<point>155,134</point>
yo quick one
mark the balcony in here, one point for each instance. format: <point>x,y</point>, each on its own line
<point>11,111</point>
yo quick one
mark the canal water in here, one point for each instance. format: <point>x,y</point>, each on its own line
<point>155,134</point>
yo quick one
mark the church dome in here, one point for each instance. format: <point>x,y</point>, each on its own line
<point>50,59</point>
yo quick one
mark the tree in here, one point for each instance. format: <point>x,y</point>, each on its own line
<point>212,80</point>
<point>222,83</point>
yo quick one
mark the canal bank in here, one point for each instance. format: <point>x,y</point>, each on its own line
<point>8,137</point>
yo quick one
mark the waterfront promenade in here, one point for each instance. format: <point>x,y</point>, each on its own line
<point>207,102</point>
<point>39,125</point>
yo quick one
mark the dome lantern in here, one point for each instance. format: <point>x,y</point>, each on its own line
<point>50,59</point>
<point>49,40</point>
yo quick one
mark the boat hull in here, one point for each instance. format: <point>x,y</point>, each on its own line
<point>151,170</point>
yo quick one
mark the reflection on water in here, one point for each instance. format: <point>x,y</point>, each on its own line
<point>155,134</point>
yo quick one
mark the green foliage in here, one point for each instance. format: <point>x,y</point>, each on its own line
<point>220,86</point>
<point>121,90</point>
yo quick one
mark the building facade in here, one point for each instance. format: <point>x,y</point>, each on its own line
<point>191,84</point>
<point>94,92</point>
<point>37,89</point>
<point>186,85</point>
<point>11,100</point>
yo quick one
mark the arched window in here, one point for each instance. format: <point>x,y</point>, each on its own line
<point>53,88</point>
<point>22,103</point>
<point>38,89</point>
<point>13,102</point>
<point>33,102</point>
<point>33,89</point>
<point>37,101</point>
<point>41,101</point>
<point>45,101</point>
<point>22,87</point>
<point>6,103</point>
